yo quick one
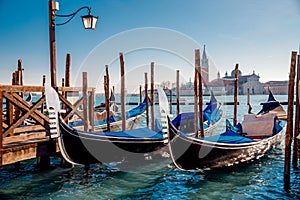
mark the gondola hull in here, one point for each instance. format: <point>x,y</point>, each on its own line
<point>88,148</point>
<point>190,153</point>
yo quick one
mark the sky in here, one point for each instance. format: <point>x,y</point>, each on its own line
<point>258,35</point>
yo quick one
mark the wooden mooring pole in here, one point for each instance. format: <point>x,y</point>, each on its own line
<point>196,99</point>
<point>67,76</point>
<point>235,94</point>
<point>248,101</point>
<point>122,92</point>
<point>67,72</point>
<point>85,100</point>
<point>106,91</point>
<point>141,100</point>
<point>200,93</point>
<point>85,109</point>
<point>147,100</point>
<point>297,116</point>
<point>289,127</point>
<point>152,95</point>
<point>171,100</point>
<point>177,94</point>
<point>296,149</point>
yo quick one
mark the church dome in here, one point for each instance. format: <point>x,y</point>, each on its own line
<point>233,73</point>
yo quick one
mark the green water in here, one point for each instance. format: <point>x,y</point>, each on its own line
<point>156,179</point>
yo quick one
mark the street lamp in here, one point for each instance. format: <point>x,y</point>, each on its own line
<point>89,22</point>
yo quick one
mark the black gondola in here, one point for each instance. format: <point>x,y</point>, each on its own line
<point>228,148</point>
<point>79,147</point>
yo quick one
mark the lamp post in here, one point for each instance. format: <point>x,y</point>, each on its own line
<point>89,22</point>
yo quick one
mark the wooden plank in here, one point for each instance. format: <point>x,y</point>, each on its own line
<point>20,88</point>
<point>73,89</point>
<point>25,138</point>
<point>29,128</point>
<point>17,154</point>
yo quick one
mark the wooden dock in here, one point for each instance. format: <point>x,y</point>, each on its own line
<point>19,142</point>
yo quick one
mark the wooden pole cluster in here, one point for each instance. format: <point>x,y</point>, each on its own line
<point>289,128</point>
<point>17,79</point>
<point>235,94</point>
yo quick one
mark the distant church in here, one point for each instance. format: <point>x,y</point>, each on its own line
<point>224,85</point>
<point>204,67</point>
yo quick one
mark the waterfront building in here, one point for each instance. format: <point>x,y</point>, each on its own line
<point>277,87</point>
<point>225,85</point>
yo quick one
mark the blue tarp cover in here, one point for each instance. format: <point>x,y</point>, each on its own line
<point>135,133</point>
<point>211,114</point>
<point>113,118</point>
<point>229,138</point>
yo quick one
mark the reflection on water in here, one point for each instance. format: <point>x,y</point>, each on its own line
<point>158,179</point>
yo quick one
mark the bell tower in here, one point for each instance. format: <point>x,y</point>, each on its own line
<point>204,67</point>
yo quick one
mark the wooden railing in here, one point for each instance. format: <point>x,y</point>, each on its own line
<point>16,110</point>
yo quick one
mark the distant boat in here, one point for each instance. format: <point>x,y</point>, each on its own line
<point>256,137</point>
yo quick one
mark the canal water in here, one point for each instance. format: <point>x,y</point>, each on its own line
<point>157,178</point>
